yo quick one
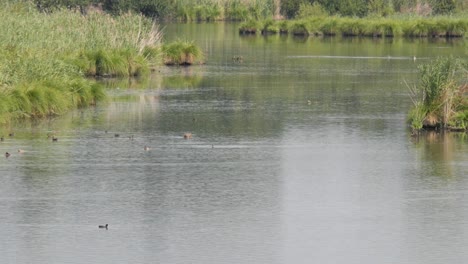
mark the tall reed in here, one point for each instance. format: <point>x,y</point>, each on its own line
<point>234,10</point>
<point>44,58</point>
<point>440,99</point>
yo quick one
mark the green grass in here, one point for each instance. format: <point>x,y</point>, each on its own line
<point>250,27</point>
<point>443,26</point>
<point>212,10</point>
<point>270,27</point>
<point>440,99</point>
<point>181,53</point>
<point>45,58</point>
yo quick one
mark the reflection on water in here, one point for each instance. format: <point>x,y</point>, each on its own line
<point>442,151</point>
<point>291,161</point>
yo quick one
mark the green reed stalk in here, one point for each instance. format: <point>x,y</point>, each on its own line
<point>440,99</point>
<point>44,58</point>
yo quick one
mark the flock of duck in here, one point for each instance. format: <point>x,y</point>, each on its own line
<point>8,154</point>
<point>55,139</point>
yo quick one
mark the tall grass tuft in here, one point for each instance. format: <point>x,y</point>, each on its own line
<point>440,99</point>
<point>270,27</point>
<point>181,53</point>
<point>249,27</point>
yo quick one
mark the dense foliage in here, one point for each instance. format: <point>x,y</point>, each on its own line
<point>245,9</point>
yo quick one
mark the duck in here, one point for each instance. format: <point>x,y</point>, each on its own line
<point>54,139</point>
<point>20,151</point>
<point>238,58</point>
<point>146,148</point>
<point>7,154</point>
<point>116,135</point>
<point>187,135</point>
<point>104,226</point>
<point>2,138</point>
<point>11,134</point>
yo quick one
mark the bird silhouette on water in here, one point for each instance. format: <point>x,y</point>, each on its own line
<point>104,226</point>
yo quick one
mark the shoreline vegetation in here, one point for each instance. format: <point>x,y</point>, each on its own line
<point>49,62</point>
<point>441,26</point>
<point>440,99</point>
<point>52,51</point>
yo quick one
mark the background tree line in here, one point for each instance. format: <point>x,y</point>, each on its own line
<point>237,9</point>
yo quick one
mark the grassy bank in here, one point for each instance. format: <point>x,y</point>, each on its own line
<point>441,96</point>
<point>45,58</point>
<point>443,26</point>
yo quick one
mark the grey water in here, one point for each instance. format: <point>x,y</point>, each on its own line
<point>300,154</point>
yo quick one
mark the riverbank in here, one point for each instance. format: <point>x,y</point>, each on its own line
<point>46,59</point>
<point>440,26</point>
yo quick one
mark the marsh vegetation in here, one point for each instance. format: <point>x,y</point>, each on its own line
<point>441,26</point>
<point>440,99</point>
<point>46,58</point>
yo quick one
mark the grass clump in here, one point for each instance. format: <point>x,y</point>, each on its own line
<point>300,28</point>
<point>249,27</point>
<point>181,53</point>
<point>440,98</point>
<point>270,27</point>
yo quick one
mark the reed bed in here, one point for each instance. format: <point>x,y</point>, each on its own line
<point>366,27</point>
<point>233,10</point>
<point>441,97</point>
<point>44,58</point>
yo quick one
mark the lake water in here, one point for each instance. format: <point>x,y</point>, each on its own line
<point>300,154</point>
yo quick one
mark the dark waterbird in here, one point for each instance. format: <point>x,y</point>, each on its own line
<point>7,154</point>
<point>104,226</point>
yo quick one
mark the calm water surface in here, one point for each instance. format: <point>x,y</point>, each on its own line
<point>300,154</point>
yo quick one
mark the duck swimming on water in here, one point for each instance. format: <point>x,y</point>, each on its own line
<point>104,226</point>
